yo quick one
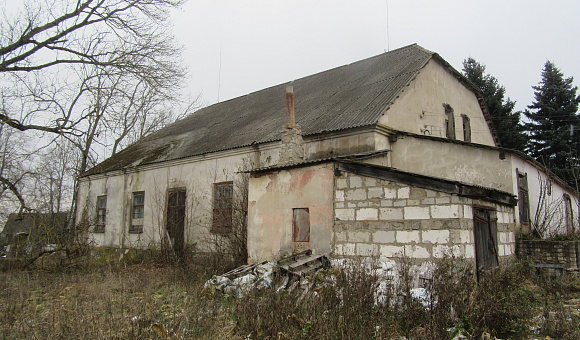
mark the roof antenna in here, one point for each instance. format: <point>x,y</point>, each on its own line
<point>388,40</point>
<point>220,75</point>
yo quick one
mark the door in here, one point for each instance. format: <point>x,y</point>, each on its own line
<point>485,233</point>
<point>176,218</point>
<point>301,229</point>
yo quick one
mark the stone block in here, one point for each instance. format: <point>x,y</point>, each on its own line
<point>390,193</point>
<point>349,249</point>
<point>365,249</point>
<point>428,201</point>
<point>435,236</point>
<point>387,214</point>
<point>417,252</point>
<point>376,192</point>
<point>339,205</point>
<point>362,204</point>
<point>383,236</point>
<point>403,193</point>
<point>469,251</point>
<point>356,195</point>
<point>341,183</point>
<point>442,200</point>
<point>359,236</point>
<point>370,182</point>
<point>416,213</point>
<point>465,236</point>
<point>413,202</point>
<point>405,236</point>
<point>339,195</point>
<point>445,211</point>
<point>430,193</point>
<point>344,214</point>
<point>400,203</point>
<point>351,205</point>
<point>417,193</point>
<point>364,214</point>
<point>391,251</point>
<point>502,237</point>
<point>355,181</point>
<point>338,249</point>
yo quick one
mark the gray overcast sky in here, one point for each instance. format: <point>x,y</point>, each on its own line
<point>268,42</point>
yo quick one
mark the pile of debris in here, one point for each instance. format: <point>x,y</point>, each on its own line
<point>287,273</point>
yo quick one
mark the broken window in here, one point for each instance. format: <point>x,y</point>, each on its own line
<point>523,200</point>
<point>101,214</point>
<point>222,207</point>
<point>466,128</point>
<point>138,212</point>
<point>301,223</point>
<point>449,121</point>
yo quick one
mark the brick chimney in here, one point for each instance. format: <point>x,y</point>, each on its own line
<point>292,148</point>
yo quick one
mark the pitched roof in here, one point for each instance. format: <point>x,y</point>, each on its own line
<point>350,96</point>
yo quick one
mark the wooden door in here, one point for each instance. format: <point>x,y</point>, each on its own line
<point>485,233</point>
<point>176,218</point>
<point>301,229</point>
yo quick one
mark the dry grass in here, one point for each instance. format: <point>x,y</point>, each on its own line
<point>152,301</point>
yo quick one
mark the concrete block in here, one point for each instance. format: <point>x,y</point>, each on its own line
<point>375,192</point>
<point>445,211</point>
<point>416,213</point>
<point>465,236</point>
<point>340,236</point>
<point>403,193</point>
<point>344,214</point>
<point>508,249</point>
<point>405,236</point>
<point>349,249</point>
<point>386,203</point>
<point>390,193</point>
<point>430,193</point>
<point>413,202</point>
<point>440,251</point>
<point>511,237</point>
<point>355,181</point>
<point>339,205</point>
<point>359,236</point>
<point>400,203</point>
<point>469,251</point>
<point>356,195</point>
<point>365,214</point>
<point>383,236</point>
<point>341,183</point>
<point>338,249</point>
<point>467,212</point>
<point>365,249</point>
<point>417,252</point>
<point>428,201</point>
<point>392,251</point>
<point>442,200</point>
<point>502,237</point>
<point>435,236</point>
<point>362,204</point>
<point>388,214</point>
<point>351,205</point>
<point>339,195</point>
<point>370,182</point>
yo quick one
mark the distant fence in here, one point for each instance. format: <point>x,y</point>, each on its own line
<point>552,257</point>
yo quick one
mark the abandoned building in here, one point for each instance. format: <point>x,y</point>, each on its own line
<point>31,232</point>
<point>390,155</point>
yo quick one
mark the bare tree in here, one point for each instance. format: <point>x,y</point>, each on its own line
<point>98,73</point>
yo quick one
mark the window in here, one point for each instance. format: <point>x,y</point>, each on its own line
<point>466,128</point>
<point>138,212</point>
<point>449,121</point>
<point>222,207</point>
<point>101,214</point>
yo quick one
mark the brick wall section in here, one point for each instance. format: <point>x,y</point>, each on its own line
<point>381,218</point>
<point>555,254</point>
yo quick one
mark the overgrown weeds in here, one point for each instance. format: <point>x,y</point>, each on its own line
<point>149,300</point>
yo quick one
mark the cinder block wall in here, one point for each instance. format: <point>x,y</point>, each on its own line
<point>382,218</point>
<point>554,256</point>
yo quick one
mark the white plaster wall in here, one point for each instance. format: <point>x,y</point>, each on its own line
<point>536,177</point>
<point>272,197</point>
<point>420,106</point>
<point>464,163</point>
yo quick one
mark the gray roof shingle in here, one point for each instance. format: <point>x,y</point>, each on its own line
<point>345,97</point>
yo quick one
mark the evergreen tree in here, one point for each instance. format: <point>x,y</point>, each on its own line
<point>554,126</point>
<point>509,129</point>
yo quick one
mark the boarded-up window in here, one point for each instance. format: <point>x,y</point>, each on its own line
<point>138,212</point>
<point>523,200</point>
<point>222,207</point>
<point>466,128</point>
<point>301,223</point>
<point>449,121</point>
<point>101,214</point>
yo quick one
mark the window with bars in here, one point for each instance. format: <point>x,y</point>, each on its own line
<point>222,207</point>
<point>101,214</point>
<point>138,212</point>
